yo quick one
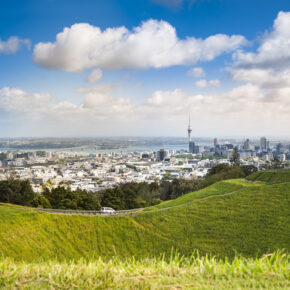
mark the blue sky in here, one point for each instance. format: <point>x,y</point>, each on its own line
<point>158,61</point>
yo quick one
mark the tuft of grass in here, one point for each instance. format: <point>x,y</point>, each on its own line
<point>178,272</point>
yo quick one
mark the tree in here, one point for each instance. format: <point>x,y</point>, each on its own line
<point>41,201</point>
<point>16,191</point>
<point>113,198</point>
<point>65,198</point>
<point>67,203</point>
<point>235,159</point>
<point>276,164</point>
<point>218,168</point>
<point>249,169</point>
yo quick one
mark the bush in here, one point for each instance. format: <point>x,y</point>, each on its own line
<point>16,191</point>
<point>41,201</point>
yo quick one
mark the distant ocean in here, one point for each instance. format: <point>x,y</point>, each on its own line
<point>95,149</point>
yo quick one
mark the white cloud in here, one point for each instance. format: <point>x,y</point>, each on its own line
<point>196,72</point>
<point>205,83</point>
<point>274,51</point>
<point>247,107</point>
<point>153,44</point>
<point>13,44</point>
<point>265,78</point>
<point>201,84</point>
<point>14,99</point>
<point>214,83</point>
<point>268,68</point>
<point>95,76</point>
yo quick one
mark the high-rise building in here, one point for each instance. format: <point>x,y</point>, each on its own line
<point>191,147</point>
<point>162,154</point>
<point>216,142</point>
<point>247,144</point>
<point>279,147</point>
<point>263,143</point>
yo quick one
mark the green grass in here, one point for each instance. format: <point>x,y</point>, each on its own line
<point>230,227</point>
<point>228,217</point>
<point>268,272</point>
<point>271,176</point>
<point>219,188</point>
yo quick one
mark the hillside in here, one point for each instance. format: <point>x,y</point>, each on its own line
<point>227,217</point>
<point>271,176</point>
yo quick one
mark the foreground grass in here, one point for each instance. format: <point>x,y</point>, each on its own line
<point>270,272</point>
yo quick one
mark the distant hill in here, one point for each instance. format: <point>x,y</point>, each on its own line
<point>228,217</point>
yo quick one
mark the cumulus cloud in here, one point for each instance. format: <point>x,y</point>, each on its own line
<point>205,83</point>
<point>153,44</point>
<point>274,51</point>
<point>268,67</point>
<point>95,76</point>
<point>248,107</point>
<point>98,102</point>
<point>265,78</point>
<point>15,99</point>
<point>196,72</point>
<point>13,44</point>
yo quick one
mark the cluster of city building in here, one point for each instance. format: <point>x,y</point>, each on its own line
<point>246,149</point>
<point>100,171</point>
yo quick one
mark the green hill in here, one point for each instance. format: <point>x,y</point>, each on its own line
<point>227,217</point>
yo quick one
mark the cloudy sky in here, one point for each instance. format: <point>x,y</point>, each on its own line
<point>139,67</point>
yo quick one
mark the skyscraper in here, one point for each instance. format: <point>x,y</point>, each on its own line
<point>162,154</point>
<point>247,144</point>
<point>216,142</point>
<point>263,143</point>
<point>192,146</point>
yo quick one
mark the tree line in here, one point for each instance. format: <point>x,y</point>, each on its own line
<point>125,196</point>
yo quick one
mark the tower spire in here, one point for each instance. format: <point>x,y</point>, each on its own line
<point>189,130</point>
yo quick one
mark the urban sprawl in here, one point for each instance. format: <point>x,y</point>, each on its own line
<point>98,171</point>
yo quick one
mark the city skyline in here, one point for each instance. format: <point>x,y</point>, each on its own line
<point>75,73</point>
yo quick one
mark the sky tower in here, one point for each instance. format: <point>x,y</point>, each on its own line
<point>189,130</point>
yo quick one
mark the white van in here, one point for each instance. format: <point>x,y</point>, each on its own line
<point>107,210</point>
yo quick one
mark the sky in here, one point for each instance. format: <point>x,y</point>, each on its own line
<point>89,68</point>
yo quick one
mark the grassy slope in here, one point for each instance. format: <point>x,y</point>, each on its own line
<point>269,272</point>
<point>271,176</point>
<point>219,188</point>
<point>226,217</point>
